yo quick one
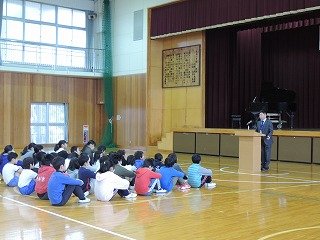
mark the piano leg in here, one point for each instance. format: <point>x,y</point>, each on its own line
<point>291,120</point>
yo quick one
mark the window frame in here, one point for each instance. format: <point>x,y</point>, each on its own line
<point>41,44</point>
<point>47,124</point>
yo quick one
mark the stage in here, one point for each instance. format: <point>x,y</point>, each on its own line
<point>289,145</point>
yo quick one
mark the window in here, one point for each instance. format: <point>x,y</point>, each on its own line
<point>13,8</point>
<point>33,11</point>
<point>49,122</point>
<point>33,27</point>
<point>14,30</point>
<point>48,13</point>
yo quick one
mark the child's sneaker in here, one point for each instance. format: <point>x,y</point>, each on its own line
<point>182,187</point>
<point>211,185</point>
<point>131,189</point>
<point>86,194</point>
<point>160,191</point>
<point>186,185</point>
<point>131,195</point>
<point>86,200</point>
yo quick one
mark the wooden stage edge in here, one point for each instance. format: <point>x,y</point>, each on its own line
<point>231,131</point>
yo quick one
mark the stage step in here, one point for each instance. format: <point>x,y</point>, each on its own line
<point>166,142</point>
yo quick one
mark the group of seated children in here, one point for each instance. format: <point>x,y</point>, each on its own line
<point>58,175</point>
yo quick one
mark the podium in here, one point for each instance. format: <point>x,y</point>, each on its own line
<point>249,151</point>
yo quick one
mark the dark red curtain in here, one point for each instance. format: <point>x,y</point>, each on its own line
<point>192,14</point>
<point>221,45</point>
<point>291,59</point>
<point>237,62</point>
<point>233,73</point>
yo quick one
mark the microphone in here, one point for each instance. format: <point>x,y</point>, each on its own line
<point>248,123</point>
<point>255,98</point>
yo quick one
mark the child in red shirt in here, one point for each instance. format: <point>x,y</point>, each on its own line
<point>147,180</point>
<point>44,174</point>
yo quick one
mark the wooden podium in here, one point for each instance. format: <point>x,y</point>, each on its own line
<point>249,151</point>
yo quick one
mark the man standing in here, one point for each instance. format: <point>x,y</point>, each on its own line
<point>265,127</point>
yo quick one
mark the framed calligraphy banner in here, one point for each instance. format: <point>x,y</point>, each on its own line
<point>181,67</point>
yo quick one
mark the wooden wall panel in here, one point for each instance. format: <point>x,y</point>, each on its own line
<point>130,103</point>
<point>19,90</point>
<point>173,107</point>
<point>15,103</point>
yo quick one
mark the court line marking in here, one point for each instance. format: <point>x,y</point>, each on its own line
<point>164,197</point>
<point>288,231</point>
<point>69,219</point>
<point>252,174</point>
<point>267,175</point>
<point>188,194</point>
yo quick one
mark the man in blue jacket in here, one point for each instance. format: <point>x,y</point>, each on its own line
<point>265,127</point>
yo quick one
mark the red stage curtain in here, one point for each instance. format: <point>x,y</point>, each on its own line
<point>291,59</point>
<point>192,14</point>
<point>233,74</point>
<point>237,63</point>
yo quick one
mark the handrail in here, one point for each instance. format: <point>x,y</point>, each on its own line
<point>50,57</point>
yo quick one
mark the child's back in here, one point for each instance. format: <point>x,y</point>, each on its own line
<point>26,181</point>
<point>194,176</point>
<point>138,163</point>
<point>139,159</point>
<point>168,173</point>
<point>198,175</point>
<point>158,161</point>
<point>3,161</point>
<point>106,183</point>
<point>44,174</point>
<point>11,171</point>
<point>143,177</point>
<point>85,175</point>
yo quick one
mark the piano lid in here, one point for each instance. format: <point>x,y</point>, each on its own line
<point>274,99</point>
<point>270,93</point>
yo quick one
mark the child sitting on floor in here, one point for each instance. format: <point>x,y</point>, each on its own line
<point>199,176</point>
<point>61,186</point>
<point>27,183</point>
<point>109,184</point>
<point>44,173</point>
<point>169,174</point>
<point>138,159</point>
<point>146,180</point>
<point>85,174</point>
<point>11,171</point>
<point>158,161</point>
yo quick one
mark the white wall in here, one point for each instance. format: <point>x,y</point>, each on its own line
<point>130,57</point>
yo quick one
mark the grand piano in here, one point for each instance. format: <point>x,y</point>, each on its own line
<point>277,102</point>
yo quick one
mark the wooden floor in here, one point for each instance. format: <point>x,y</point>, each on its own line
<point>281,204</point>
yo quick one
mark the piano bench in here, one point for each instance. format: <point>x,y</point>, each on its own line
<point>235,121</point>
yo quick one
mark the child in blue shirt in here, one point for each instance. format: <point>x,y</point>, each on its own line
<point>84,173</point>
<point>182,183</point>
<point>139,158</point>
<point>4,156</point>
<point>169,175</point>
<point>61,186</point>
<point>158,161</point>
<point>199,176</point>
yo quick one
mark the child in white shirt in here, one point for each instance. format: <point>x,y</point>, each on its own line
<point>11,171</point>
<point>108,184</point>
<point>27,183</point>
